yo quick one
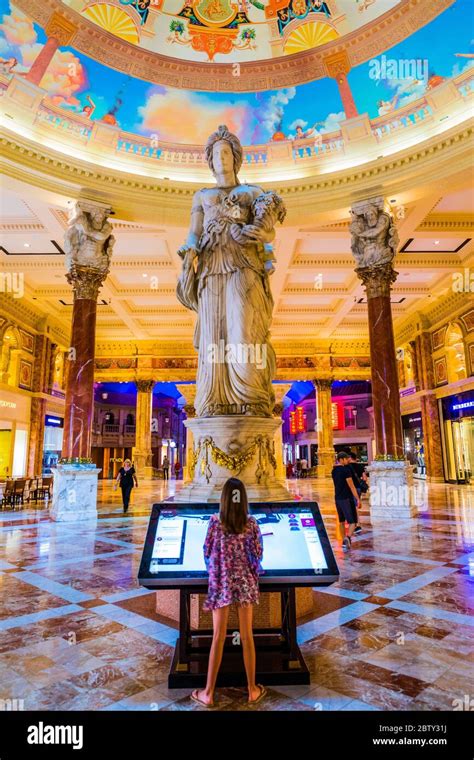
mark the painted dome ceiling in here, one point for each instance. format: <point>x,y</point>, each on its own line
<point>233,45</point>
<point>223,30</point>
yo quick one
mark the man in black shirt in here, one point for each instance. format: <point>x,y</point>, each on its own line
<point>346,498</point>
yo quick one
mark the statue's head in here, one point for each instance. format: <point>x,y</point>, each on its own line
<point>98,218</point>
<point>371,216</point>
<point>224,151</point>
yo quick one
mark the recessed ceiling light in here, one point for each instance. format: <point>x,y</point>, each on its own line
<point>436,242</point>
<point>26,245</point>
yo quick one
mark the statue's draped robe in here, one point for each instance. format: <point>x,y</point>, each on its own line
<point>230,293</point>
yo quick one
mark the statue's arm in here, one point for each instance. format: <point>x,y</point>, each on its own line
<point>187,281</point>
<point>196,226</point>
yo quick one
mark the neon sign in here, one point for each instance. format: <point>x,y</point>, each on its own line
<point>464,405</point>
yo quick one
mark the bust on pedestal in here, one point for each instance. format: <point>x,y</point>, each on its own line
<point>227,260</point>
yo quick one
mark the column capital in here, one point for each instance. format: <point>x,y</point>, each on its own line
<point>59,27</point>
<point>86,281</point>
<point>323,383</point>
<point>337,64</point>
<point>377,280</point>
<point>189,410</point>
<point>88,245</point>
<point>145,386</point>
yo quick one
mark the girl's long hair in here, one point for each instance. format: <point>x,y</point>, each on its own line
<point>234,509</point>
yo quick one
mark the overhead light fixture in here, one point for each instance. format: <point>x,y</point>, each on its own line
<point>144,275</point>
<point>26,245</point>
<point>436,242</point>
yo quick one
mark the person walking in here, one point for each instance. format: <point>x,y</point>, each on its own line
<point>126,479</point>
<point>304,468</point>
<point>166,468</point>
<point>346,498</point>
<point>358,476</point>
<point>233,551</point>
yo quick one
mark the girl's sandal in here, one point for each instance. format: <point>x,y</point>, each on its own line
<point>195,698</point>
<point>263,693</point>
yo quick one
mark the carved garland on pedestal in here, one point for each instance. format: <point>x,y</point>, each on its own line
<point>234,462</point>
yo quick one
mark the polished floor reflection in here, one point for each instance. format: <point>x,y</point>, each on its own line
<point>396,633</point>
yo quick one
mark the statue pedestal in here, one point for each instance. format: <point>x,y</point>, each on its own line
<point>74,494</point>
<point>391,491</point>
<point>235,446</point>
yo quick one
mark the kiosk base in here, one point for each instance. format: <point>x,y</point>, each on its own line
<point>275,666</point>
<point>279,659</point>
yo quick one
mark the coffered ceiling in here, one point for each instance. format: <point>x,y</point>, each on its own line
<point>316,291</point>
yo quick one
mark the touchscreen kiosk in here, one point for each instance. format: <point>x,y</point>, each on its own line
<point>296,548</point>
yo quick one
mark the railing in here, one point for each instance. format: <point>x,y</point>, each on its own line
<point>129,429</point>
<point>110,141</point>
<point>108,429</point>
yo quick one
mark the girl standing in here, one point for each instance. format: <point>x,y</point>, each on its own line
<point>232,550</point>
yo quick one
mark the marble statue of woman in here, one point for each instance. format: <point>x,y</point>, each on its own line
<point>225,280</point>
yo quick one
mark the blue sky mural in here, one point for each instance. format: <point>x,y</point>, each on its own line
<point>188,117</point>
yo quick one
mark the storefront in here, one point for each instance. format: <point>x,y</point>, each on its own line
<point>358,448</point>
<point>413,443</point>
<point>14,433</point>
<point>457,414</point>
<point>53,441</point>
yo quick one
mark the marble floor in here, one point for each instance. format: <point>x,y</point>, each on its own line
<point>396,632</point>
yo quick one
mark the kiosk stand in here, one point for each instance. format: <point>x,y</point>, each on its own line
<point>296,554</point>
<point>279,660</point>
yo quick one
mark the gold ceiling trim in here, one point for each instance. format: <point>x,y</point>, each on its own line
<point>361,45</point>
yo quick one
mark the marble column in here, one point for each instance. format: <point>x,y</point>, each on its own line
<point>88,246</point>
<point>429,409</point>
<point>280,390</point>
<point>59,31</point>
<point>39,387</point>
<point>80,373</point>
<point>337,67</point>
<point>374,244</point>
<point>324,428</point>
<point>36,438</point>
<point>142,452</point>
<point>188,392</point>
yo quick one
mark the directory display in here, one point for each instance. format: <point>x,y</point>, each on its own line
<point>295,544</point>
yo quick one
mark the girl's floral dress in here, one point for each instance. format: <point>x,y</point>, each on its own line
<point>233,563</point>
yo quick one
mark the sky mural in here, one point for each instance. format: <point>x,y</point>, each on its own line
<point>75,82</point>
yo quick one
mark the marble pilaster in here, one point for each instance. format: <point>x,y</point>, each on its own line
<point>429,409</point>
<point>324,428</point>
<point>188,391</point>
<point>280,390</point>
<point>142,452</point>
